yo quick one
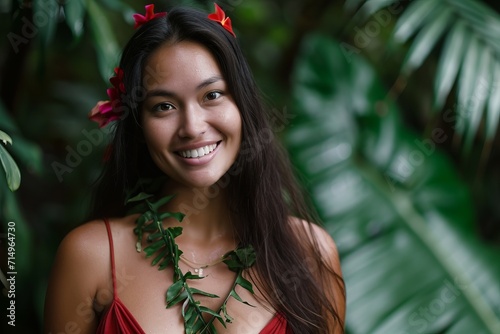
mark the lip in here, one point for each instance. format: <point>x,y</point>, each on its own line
<point>194,146</point>
<point>198,161</point>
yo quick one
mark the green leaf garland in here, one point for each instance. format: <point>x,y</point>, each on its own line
<point>162,247</point>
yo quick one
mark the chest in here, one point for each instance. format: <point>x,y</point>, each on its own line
<point>142,289</point>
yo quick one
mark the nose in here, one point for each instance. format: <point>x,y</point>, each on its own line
<point>193,122</point>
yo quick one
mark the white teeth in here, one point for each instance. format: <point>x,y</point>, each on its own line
<point>199,152</point>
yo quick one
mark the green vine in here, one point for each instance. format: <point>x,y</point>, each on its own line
<point>161,243</point>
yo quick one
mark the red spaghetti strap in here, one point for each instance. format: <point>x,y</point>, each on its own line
<point>112,255</point>
<point>117,319</point>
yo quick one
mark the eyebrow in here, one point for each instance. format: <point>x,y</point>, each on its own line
<point>166,93</point>
<point>208,82</point>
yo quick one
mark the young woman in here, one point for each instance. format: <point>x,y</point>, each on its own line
<point>190,112</point>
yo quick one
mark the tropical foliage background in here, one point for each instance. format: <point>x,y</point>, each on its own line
<point>392,112</point>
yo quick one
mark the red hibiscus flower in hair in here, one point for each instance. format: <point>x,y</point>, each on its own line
<point>105,112</point>
<point>220,16</point>
<point>150,15</point>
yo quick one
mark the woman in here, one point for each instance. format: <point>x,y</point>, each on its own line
<point>190,112</point>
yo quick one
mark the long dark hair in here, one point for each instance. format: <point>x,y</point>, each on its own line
<point>262,190</point>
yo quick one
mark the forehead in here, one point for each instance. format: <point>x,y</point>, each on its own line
<point>180,64</point>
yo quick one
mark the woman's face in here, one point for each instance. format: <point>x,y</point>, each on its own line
<point>191,124</point>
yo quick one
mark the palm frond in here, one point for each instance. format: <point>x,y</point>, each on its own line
<point>469,57</point>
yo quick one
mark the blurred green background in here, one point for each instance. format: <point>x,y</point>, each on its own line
<point>391,111</point>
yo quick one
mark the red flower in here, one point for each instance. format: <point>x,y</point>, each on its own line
<point>220,16</point>
<point>150,15</point>
<point>105,112</point>
<point>117,80</point>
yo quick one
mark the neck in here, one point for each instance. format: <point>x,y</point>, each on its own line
<point>207,217</point>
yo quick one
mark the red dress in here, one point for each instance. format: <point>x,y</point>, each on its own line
<point>118,319</point>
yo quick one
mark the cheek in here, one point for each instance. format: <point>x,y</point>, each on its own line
<point>150,133</point>
<point>239,130</point>
<point>155,134</point>
<point>233,122</point>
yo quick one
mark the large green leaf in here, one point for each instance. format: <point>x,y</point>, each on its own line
<point>75,11</point>
<point>480,95</point>
<point>472,33</point>
<point>494,103</point>
<point>24,151</point>
<point>449,63</point>
<point>413,18</point>
<point>122,7</point>
<point>367,9</point>
<point>467,84</point>
<point>12,172</point>
<point>400,215</point>
<point>427,38</point>
<point>45,16</point>
<point>106,43</point>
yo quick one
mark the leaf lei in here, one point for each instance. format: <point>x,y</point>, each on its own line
<point>161,244</point>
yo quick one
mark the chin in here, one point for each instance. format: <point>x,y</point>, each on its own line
<point>201,185</point>
<point>198,183</point>
<point>200,179</point>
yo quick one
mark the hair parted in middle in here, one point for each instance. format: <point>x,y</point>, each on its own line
<point>261,186</point>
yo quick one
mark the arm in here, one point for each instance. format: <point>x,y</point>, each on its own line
<point>79,265</point>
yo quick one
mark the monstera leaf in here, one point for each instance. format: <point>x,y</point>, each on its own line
<point>399,212</point>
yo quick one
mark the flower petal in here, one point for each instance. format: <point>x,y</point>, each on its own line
<point>96,109</point>
<point>219,14</point>
<point>150,15</point>
<point>220,17</point>
<point>103,113</point>
<point>139,20</point>
<point>111,93</point>
<point>227,25</point>
<point>150,11</point>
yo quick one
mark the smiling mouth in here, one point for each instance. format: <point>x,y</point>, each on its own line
<point>199,152</point>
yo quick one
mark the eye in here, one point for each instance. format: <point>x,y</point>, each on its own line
<point>163,107</point>
<point>213,95</point>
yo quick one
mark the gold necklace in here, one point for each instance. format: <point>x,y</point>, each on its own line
<point>198,267</point>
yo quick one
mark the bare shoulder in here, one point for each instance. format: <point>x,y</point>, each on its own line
<point>319,241</point>
<point>84,240</point>
<point>316,235</point>
<point>87,246</point>
<point>84,249</point>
